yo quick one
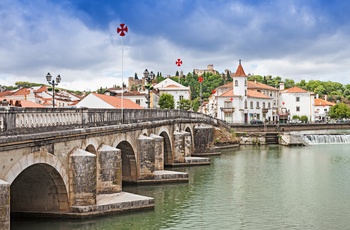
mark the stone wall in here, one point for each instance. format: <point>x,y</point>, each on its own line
<point>4,205</point>
<point>203,138</point>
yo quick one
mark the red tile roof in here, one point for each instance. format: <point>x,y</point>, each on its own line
<point>5,93</point>
<point>30,104</point>
<point>321,102</point>
<point>240,71</point>
<point>228,93</point>
<point>227,85</point>
<point>41,89</point>
<point>256,94</point>
<point>258,85</point>
<point>295,89</point>
<point>116,102</point>
<point>22,91</point>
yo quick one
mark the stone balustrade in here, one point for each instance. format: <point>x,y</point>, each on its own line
<point>16,120</point>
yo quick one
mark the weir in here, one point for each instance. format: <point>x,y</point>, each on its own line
<point>326,138</point>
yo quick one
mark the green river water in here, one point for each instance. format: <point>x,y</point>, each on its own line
<point>266,187</point>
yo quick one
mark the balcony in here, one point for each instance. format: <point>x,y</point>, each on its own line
<point>264,110</point>
<point>227,109</point>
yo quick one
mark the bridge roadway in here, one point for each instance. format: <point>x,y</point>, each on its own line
<point>73,162</point>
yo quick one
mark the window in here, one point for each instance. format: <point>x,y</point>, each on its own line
<point>245,82</point>
<point>263,105</point>
<point>325,110</point>
<point>245,92</point>
<point>298,108</point>
<point>251,105</point>
<point>138,101</point>
<point>236,83</point>
<point>245,104</point>
<point>269,105</point>
<point>181,97</point>
<point>228,104</point>
<point>297,99</point>
<point>257,105</point>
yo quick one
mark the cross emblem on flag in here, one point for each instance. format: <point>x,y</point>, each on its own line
<point>122,30</point>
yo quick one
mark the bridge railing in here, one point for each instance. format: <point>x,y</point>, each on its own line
<point>16,120</point>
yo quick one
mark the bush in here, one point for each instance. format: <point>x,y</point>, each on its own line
<point>296,117</point>
<point>304,119</point>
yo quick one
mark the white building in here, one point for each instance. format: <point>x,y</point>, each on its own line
<point>322,108</point>
<point>241,101</point>
<point>173,88</point>
<point>296,101</point>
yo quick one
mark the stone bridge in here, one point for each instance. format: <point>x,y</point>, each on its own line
<point>70,161</point>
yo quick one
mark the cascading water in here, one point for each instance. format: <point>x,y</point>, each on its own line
<point>326,138</point>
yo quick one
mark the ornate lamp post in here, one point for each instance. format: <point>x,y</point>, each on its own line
<point>53,83</point>
<point>148,77</point>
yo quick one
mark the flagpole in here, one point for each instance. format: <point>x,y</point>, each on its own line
<point>121,31</point>
<point>122,80</point>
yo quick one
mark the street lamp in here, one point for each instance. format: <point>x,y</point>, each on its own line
<point>148,77</point>
<point>53,84</point>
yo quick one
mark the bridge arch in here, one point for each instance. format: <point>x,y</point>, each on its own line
<point>129,165</point>
<point>168,154</point>
<point>38,183</point>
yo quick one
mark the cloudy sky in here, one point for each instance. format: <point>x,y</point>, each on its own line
<point>295,39</point>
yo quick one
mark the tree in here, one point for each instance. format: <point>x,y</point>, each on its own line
<point>101,90</point>
<point>339,111</point>
<point>184,104</point>
<point>166,101</point>
<point>177,73</point>
<point>304,119</point>
<point>136,77</point>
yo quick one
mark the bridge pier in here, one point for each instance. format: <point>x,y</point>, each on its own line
<point>4,205</point>
<point>147,157</point>
<point>82,178</point>
<point>179,149</point>
<point>187,143</point>
<point>158,152</point>
<point>203,137</point>
<point>109,170</point>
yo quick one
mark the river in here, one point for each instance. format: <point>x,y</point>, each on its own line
<point>266,187</point>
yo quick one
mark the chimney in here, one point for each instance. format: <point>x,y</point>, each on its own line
<point>281,85</point>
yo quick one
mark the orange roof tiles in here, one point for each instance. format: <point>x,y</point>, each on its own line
<point>295,89</point>
<point>5,93</point>
<point>240,71</point>
<point>228,94</point>
<point>321,102</point>
<point>30,104</point>
<point>258,85</point>
<point>41,89</point>
<point>227,85</point>
<point>23,91</point>
<point>116,102</point>
<point>256,94</point>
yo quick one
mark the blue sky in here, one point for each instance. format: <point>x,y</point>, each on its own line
<point>295,39</point>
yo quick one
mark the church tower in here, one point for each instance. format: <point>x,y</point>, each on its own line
<point>240,82</point>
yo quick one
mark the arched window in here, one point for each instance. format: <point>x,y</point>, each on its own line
<point>236,83</point>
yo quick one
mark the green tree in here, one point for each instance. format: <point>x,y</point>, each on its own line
<point>339,111</point>
<point>184,104</point>
<point>304,119</point>
<point>166,101</point>
<point>195,104</point>
<point>177,73</point>
<point>101,90</point>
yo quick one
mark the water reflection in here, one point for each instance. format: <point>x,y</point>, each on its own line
<point>265,187</point>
